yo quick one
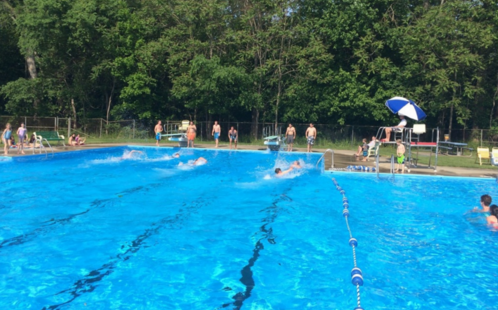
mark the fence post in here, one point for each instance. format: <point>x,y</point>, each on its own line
<point>133,129</point>
<point>100,134</point>
<point>352,135</point>
<point>55,123</point>
<point>68,127</point>
<point>201,130</point>
<point>481,137</point>
<point>25,122</point>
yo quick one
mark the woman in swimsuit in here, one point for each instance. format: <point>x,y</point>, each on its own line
<point>6,137</point>
<point>191,130</point>
<point>21,134</point>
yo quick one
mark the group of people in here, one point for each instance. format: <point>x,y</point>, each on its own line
<point>191,133</point>
<point>290,136</point>
<point>75,140</point>
<point>9,141</point>
<point>486,207</point>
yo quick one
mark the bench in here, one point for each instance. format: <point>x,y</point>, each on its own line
<point>49,136</point>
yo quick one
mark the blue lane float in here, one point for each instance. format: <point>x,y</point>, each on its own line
<point>356,274</point>
<point>360,168</point>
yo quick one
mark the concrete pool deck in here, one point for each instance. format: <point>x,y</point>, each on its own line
<point>342,158</point>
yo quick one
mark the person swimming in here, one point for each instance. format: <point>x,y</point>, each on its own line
<point>129,155</point>
<point>199,161</point>
<point>280,173</point>
<point>176,155</point>
<point>493,218</point>
<point>296,165</point>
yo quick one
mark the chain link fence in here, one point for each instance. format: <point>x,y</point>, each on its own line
<point>98,129</point>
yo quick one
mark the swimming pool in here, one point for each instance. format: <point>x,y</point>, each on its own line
<point>89,230</point>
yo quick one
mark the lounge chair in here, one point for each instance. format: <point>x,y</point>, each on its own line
<point>482,153</point>
<point>184,126</point>
<point>494,156</point>
<point>373,150</point>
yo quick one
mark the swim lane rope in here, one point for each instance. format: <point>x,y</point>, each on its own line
<point>356,275</point>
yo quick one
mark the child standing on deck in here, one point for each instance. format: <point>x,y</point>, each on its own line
<point>400,152</point>
<point>6,137</point>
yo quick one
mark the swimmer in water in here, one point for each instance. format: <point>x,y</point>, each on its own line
<point>493,218</point>
<point>280,173</point>
<point>198,161</point>
<point>129,155</point>
<point>176,155</point>
<point>485,202</point>
<point>296,165</point>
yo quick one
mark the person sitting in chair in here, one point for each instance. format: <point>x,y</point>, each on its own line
<point>400,127</point>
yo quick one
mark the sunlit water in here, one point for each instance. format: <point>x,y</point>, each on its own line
<point>106,229</point>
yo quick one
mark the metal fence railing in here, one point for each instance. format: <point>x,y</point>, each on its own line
<point>129,130</point>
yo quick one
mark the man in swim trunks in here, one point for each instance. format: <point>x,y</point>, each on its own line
<point>233,136</point>
<point>216,132</point>
<point>157,130</point>
<point>191,131</point>
<point>290,136</point>
<point>310,136</point>
<point>400,152</point>
<point>400,127</point>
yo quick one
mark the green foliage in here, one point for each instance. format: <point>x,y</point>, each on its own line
<point>286,61</point>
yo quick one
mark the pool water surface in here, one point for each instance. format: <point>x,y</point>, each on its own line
<point>94,230</point>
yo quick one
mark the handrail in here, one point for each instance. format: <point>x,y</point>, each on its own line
<point>392,165</point>
<point>326,151</point>
<point>377,164</point>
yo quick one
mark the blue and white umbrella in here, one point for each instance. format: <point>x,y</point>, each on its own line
<point>405,107</point>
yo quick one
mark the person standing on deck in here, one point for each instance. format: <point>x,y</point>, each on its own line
<point>290,136</point>
<point>21,134</point>
<point>191,131</point>
<point>310,136</point>
<point>157,130</point>
<point>216,132</point>
<point>400,153</point>
<point>233,136</point>
<point>6,137</point>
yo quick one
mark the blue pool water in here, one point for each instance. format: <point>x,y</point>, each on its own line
<point>88,230</point>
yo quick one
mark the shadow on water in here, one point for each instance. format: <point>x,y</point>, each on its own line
<point>92,279</point>
<point>53,223</point>
<point>267,233</point>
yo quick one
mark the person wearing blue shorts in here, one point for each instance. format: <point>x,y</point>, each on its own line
<point>6,137</point>
<point>158,129</point>
<point>216,132</point>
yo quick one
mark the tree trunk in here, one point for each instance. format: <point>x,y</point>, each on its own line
<point>451,121</point>
<point>74,114</point>
<point>494,103</point>
<point>33,74</point>
<point>254,123</point>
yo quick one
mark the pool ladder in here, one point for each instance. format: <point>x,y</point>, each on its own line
<point>392,165</point>
<point>321,158</point>
<point>42,147</point>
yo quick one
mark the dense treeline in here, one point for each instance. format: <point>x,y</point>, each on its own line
<point>323,61</point>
